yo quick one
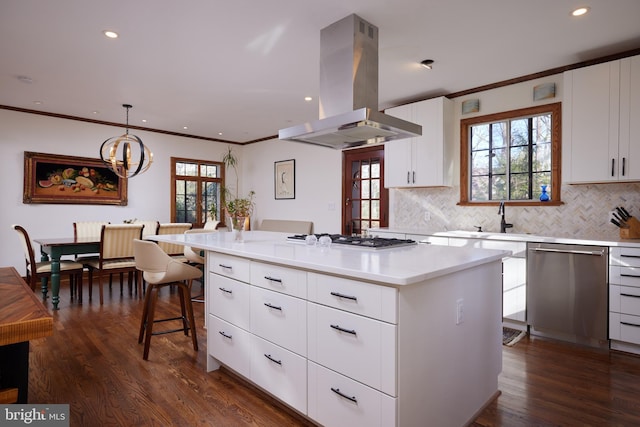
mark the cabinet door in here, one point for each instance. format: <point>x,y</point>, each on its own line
<point>591,110</point>
<point>431,156</point>
<point>427,160</point>
<point>397,154</point>
<point>629,148</point>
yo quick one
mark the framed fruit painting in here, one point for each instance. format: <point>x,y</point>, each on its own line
<point>53,178</point>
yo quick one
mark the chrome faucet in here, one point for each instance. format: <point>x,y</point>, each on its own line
<point>503,224</point>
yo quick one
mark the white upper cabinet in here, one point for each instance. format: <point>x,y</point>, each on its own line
<point>427,160</point>
<point>601,115</point>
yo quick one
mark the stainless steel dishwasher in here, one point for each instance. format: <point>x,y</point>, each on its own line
<point>567,296</point>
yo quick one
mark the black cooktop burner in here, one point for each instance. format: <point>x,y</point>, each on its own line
<point>357,241</point>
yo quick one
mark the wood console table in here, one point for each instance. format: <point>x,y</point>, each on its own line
<point>22,318</point>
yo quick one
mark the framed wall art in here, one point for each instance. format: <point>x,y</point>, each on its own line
<point>53,178</point>
<point>285,179</point>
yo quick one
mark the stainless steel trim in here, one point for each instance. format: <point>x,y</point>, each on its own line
<point>564,251</point>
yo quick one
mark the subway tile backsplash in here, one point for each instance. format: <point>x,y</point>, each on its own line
<point>584,213</point>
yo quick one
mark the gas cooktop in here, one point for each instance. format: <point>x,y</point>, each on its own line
<point>357,241</point>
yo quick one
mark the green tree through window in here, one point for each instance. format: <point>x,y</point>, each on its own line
<point>509,156</point>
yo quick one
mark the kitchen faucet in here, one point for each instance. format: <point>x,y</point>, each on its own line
<point>503,224</point>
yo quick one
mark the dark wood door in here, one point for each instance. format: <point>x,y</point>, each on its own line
<point>365,200</point>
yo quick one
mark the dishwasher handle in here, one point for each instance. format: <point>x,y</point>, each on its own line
<point>568,251</point>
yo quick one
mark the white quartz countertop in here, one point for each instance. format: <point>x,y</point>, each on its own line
<point>394,266</point>
<point>578,240</point>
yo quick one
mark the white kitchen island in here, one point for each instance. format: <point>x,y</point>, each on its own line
<point>410,336</point>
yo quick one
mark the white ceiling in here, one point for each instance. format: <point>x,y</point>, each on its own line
<point>242,68</point>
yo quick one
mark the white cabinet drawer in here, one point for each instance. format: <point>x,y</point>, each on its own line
<point>279,318</point>
<point>230,300</point>
<point>279,279</point>
<point>624,299</point>
<point>623,327</point>
<point>378,302</point>
<point>280,372</point>
<point>337,401</point>
<point>360,348</point>
<point>230,345</point>
<point>230,266</point>
<point>627,276</point>
<point>626,257</point>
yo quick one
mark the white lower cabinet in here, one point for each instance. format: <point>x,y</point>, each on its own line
<point>338,401</point>
<point>359,347</point>
<point>230,345</point>
<point>280,319</point>
<point>281,372</point>
<point>624,299</point>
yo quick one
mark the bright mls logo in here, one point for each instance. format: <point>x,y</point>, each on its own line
<point>34,415</point>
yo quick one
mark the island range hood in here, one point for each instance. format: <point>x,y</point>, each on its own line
<point>349,115</point>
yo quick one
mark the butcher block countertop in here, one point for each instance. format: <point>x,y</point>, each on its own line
<point>22,315</point>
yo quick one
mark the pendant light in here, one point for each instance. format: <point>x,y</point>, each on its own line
<point>126,155</point>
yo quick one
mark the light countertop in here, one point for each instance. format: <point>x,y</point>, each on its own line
<point>393,266</point>
<point>515,237</point>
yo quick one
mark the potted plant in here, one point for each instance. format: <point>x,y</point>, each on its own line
<point>238,209</point>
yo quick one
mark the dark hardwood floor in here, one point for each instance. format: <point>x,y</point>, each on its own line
<point>94,363</point>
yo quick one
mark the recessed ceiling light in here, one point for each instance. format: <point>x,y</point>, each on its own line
<point>308,98</point>
<point>185,128</point>
<point>580,11</point>
<point>37,102</point>
<point>219,133</point>
<point>95,112</point>
<point>110,34</point>
<point>427,63</point>
<point>25,79</point>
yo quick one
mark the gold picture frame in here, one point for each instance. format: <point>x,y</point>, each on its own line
<point>58,179</point>
<point>285,179</point>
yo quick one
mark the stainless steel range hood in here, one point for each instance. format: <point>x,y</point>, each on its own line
<point>349,115</point>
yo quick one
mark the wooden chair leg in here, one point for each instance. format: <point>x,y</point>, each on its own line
<point>79,288</point>
<point>100,287</point>
<point>182,293</point>
<point>192,322</point>
<point>90,284</point>
<point>145,312</point>
<point>153,298</point>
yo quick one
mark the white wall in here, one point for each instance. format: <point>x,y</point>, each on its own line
<point>318,183</point>
<point>317,178</point>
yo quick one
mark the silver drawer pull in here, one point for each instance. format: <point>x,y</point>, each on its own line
<point>225,335</point>
<point>348,331</point>
<point>629,295</point>
<point>273,279</point>
<point>629,324</point>
<point>630,275</point>
<point>341,394</point>
<point>228,267</point>
<point>561,251</point>
<point>226,290</point>
<point>275,307</point>
<point>629,256</point>
<point>339,295</point>
<point>268,356</point>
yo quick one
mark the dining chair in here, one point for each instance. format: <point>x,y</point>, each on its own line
<point>160,270</point>
<point>116,255</point>
<point>150,227</point>
<point>42,270</point>
<point>174,250</point>
<point>88,229</point>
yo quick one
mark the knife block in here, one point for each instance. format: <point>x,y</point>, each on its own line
<point>633,231</point>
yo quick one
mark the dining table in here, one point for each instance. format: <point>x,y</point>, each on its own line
<point>52,249</point>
